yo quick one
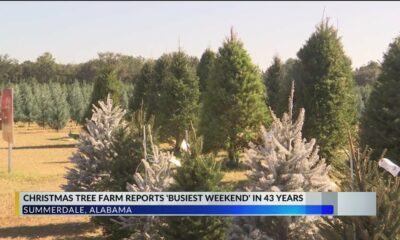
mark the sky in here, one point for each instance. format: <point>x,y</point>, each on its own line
<point>75,32</point>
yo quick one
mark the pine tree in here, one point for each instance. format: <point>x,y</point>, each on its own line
<point>156,176</point>
<point>87,90</point>
<point>327,89</point>
<point>291,72</point>
<point>179,98</point>
<point>28,106</point>
<point>273,79</point>
<point>76,102</point>
<point>106,83</point>
<point>59,108</point>
<point>128,145</point>
<point>367,178</point>
<point>94,154</point>
<point>234,105</point>
<point>204,68</point>
<point>380,124</point>
<point>98,149</point>
<point>285,162</point>
<point>43,101</point>
<point>146,90</point>
<point>17,102</point>
<point>198,173</point>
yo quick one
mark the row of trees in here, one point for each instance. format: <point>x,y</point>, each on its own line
<point>223,96</point>
<point>53,104</point>
<point>45,69</point>
<point>50,104</point>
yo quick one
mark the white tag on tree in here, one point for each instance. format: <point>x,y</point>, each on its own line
<point>389,166</point>
<point>185,146</point>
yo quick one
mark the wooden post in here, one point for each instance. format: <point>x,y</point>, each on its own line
<point>9,157</point>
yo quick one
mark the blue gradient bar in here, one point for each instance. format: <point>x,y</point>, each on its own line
<point>182,210</point>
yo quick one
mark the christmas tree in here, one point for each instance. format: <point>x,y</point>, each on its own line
<point>285,162</point>
<point>326,90</point>
<point>155,177</point>
<point>107,83</point>
<point>380,123</point>
<point>367,177</point>
<point>234,102</point>
<point>205,67</point>
<point>93,157</point>
<point>198,173</point>
<point>273,80</point>
<point>59,108</point>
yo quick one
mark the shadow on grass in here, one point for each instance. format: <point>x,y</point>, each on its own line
<point>56,231</point>
<point>58,162</point>
<point>73,145</point>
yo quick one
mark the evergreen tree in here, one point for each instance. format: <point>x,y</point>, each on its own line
<point>106,83</point>
<point>155,175</point>
<point>145,89</point>
<point>43,101</point>
<point>327,89</point>
<point>179,98</point>
<point>28,105</point>
<point>291,72</point>
<point>234,105</point>
<point>367,178</point>
<point>198,173</point>
<point>94,154</point>
<point>204,68</point>
<point>380,125</point>
<point>98,148</point>
<point>59,109</point>
<point>76,102</point>
<point>273,79</point>
<point>17,103</point>
<point>285,162</point>
<point>87,90</point>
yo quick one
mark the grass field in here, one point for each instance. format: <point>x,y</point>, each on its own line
<point>40,159</point>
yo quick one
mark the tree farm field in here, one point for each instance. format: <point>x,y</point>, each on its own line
<point>40,158</point>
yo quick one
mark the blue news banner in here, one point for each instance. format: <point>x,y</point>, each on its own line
<point>196,203</point>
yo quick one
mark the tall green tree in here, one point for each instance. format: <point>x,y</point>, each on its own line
<point>59,107</point>
<point>234,105</point>
<point>106,83</point>
<point>273,78</point>
<point>76,102</point>
<point>17,102</point>
<point>291,72</point>
<point>87,90</point>
<point>204,68</point>
<point>28,105</point>
<point>145,89</point>
<point>179,98</point>
<point>327,89</point>
<point>43,102</point>
<point>380,124</point>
